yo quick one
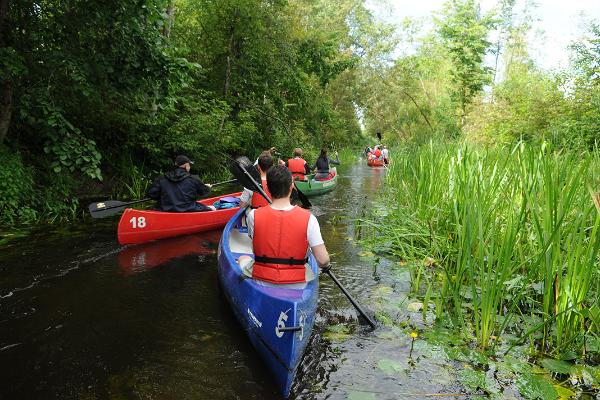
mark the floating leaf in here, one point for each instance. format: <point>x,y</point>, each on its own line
<point>365,253</point>
<point>564,393</point>
<point>336,333</point>
<point>536,387</point>
<point>557,366</point>
<point>476,380</point>
<point>361,396</point>
<point>390,367</point>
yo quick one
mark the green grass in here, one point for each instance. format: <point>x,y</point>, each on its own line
<point>514,232</point>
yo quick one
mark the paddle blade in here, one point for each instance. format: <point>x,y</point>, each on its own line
<point>245,173</point>
<point>302,197</point>
<point>379,136</point>
<point>107,208</point>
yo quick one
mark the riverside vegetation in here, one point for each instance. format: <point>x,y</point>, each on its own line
<point>502,247</point>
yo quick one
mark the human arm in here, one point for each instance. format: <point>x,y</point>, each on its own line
<point>316,243</point>
<point>307,168</point>
<point>245,198</point>
<point>336,161</point>
<point>201,188</point>
<point>154,191</point>
<point>321,255</point>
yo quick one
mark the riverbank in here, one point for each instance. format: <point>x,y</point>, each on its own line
<point>501,246</point>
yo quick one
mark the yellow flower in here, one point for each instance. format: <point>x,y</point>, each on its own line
<point>414,335</point>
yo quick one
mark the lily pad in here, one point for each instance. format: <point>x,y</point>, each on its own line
<point>361,396</point>
<point>415,306</point>
<point>390,367</point>
<point>557,366</point>
<point>478,380</point>
<point>534,386</point>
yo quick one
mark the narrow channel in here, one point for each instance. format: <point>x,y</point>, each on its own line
<point>82,317</point>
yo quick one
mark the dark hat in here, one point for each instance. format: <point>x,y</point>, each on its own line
<point>181,159</point>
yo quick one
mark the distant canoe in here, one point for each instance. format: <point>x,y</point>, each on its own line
<point>278,319</point>
<point>375,162</point>
<point>139,226</point>
<point>312,187</point>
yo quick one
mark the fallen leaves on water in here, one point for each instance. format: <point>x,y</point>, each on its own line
<point>336,333</point>
<point>414,306</point>
<point>365,253</point>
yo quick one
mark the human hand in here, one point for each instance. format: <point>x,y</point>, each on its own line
<point>326,268</point>
<point>272,149</point>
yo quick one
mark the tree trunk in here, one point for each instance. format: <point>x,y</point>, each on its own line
<point>170,12</point>
<point>6,87</point>
<point>6,92</point>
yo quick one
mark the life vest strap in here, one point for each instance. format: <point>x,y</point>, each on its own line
<point>287,261</point>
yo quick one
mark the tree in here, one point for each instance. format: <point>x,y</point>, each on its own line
<point>464,32</point>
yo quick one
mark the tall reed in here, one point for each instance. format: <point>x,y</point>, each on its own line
<point>500,222</point>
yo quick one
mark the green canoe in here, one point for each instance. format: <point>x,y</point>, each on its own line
<point>310,187</point>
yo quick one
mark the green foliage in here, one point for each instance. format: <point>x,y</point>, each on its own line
<point>516,230</point>
<point>464,32</point>
<point>16,186</point>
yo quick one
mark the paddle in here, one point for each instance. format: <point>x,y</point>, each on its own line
<point>248,176</point>
<point>108,208</point>
<point>327,270</point>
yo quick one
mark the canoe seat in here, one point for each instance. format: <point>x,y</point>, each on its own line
<point>240,244</point>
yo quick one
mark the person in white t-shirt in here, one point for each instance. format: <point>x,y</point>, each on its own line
<point>282,234</point>
<point>385,153</point>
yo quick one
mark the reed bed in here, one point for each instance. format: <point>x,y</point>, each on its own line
<point>510,236</point>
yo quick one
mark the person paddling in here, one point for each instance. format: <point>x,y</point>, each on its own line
<point>177,190</point>
<point>282,234</point>
<point>322,165</point>
<point>265,162</point>
<point>385,153</point>
<point>298,165</point>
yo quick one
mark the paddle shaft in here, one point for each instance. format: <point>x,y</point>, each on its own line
<point>129,203</point>
<point>354,303</point>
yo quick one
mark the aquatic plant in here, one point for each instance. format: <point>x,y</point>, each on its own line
<point>514,232</point>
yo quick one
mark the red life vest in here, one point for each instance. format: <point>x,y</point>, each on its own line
<point>377,153</point>
<point>296,167</point>
<point>280,244</point>
<point>257,199</point>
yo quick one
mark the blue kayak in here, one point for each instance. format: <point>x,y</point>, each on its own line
<point>278,319</point>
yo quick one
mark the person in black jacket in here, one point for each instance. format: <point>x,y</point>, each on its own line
<point>177,190</point>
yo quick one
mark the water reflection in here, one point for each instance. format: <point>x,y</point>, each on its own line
<point>140,258</point>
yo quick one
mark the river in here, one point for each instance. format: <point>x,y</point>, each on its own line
<point>83,318</point>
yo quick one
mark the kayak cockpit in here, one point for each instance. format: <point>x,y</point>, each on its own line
<point>240,244</point>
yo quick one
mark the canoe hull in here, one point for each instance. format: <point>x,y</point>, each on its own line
<point>263,308</point>
<point>375,163</point>
<point>139,226</point>
<point>310,187</point>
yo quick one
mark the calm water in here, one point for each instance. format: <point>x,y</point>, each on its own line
<point>83,318</point>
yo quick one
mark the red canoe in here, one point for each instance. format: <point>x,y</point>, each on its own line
<point>139,226</point>
<point>374,162</point>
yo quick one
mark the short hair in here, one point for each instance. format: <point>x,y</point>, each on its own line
<point>297,152</point>
<point>265,161</point>
<point>279,180</point>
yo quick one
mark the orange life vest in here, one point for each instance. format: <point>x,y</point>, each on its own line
<point>280,244</point>
<point>377,153</point>
<point>296,167</point>
<point>257,199</point>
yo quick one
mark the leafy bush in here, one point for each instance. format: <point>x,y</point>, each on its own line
<point>16,186</point>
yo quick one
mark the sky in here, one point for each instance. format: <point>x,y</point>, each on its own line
<point>556,23</point>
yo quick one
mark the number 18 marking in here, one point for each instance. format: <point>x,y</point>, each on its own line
<point>139,222</point>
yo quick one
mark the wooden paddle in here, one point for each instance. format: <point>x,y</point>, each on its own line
<point>108,208</point>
